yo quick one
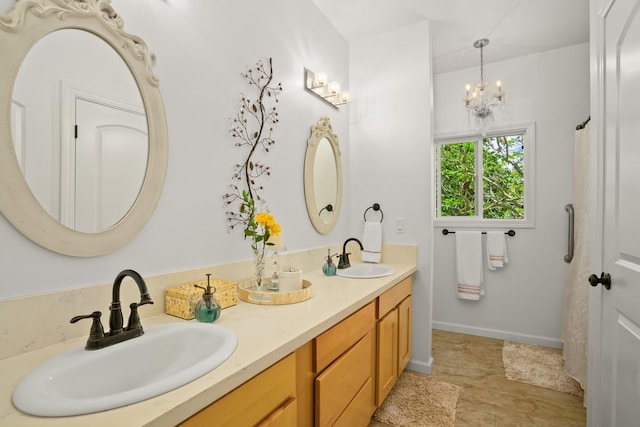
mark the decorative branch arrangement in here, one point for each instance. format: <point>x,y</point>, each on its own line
<point>253,127</point>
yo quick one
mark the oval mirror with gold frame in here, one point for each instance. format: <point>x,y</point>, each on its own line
<point>323,177</point>
<point>20,29</point>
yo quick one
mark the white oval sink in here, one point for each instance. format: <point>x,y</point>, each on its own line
<point>164,358</point>
<point>365,271</point>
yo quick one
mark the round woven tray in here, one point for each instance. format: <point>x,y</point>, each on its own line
<point>247,292</point>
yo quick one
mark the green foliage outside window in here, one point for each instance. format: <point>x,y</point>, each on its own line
<point>502,179</point>
<point>457,179</point>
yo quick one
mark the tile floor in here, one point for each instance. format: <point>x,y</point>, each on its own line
<point>487,398</point>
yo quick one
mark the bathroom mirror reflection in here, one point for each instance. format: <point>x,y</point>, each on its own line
<point>62,61</point>
<point>323,177</point>
<point>78,120</point>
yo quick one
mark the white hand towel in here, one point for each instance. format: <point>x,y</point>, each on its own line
<point>496,250</point>
<point>469,272</point>
<point>372,242</point>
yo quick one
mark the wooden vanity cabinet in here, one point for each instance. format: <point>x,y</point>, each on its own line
<point>337,379</point>
<point>393,331</point>
<point>344,364</point>
<point>268,399</point>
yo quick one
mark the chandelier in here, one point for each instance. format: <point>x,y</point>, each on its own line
<point>481,101</point>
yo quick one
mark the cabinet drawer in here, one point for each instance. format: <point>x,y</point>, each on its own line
<point>261,397</point>
<point>393,297</point>
<point>340,383</point>
<point>335,341</point>
<point>285,416</point>
<point>359,411</point>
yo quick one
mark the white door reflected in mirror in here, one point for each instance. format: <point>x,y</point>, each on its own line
<point>110,164</point>
<point>87,183</point>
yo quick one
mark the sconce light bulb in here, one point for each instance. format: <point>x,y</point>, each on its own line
<point>345,96</point>
<point>499,84</point>
<point>468,87</point>
<point>321,78</point>
<point>334,87</point>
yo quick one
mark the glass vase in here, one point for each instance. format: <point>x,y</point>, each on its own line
<point>258,267</point>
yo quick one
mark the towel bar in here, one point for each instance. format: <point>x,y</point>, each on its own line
<point>510,233</point>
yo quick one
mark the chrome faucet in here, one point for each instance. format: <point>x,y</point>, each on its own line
<point>97,337</point>
<point>343,260</point>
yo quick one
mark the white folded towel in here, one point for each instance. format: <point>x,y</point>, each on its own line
<point>372,242</point>
<point>496,250</point>
<point>469,272</point>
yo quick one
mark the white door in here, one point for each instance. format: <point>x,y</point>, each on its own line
<point>619,396</point>
<point>110,164</point>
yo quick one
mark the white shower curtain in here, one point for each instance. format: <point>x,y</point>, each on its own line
<point>575,315</point>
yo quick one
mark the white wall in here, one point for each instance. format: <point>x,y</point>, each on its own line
<point>202,47</point>
<point>391,154</point>
<point>523,301</point>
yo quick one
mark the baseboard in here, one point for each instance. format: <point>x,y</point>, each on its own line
<point>420,366</point>
<point>498,334</point>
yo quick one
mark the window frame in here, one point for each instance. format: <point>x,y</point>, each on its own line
<point>476,136</point>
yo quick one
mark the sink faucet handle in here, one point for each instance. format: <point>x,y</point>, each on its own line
<point>97,331</point>
<point>343,260</point>
<point>134,318</point>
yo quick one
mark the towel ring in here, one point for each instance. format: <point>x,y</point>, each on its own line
<point>328,208</point>
<point>375,207</point>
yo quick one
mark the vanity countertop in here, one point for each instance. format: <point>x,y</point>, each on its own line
<point>265,335</point>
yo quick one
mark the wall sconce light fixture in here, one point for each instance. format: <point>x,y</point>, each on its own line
<point>319,85</point>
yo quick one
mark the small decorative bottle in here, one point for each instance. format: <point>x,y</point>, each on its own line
<point>208,308</point>
<point>274,284</point>
<point>329,268</point>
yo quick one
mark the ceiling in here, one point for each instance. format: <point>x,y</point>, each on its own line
<point>514,27</point>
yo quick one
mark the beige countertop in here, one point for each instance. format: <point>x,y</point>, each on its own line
<point>265,335</point>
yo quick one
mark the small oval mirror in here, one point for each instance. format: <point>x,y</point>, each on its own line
<point>323,177</point>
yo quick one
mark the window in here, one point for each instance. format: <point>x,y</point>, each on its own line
<point>486,180</point>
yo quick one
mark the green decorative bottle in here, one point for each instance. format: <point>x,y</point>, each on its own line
<point>208,309</point>
<point>329,268</point>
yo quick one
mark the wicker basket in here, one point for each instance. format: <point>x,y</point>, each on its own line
<point>181,300</point>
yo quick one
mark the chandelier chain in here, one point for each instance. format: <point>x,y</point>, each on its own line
<point>481,64</point>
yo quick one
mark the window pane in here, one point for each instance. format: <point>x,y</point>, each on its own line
<point>457,179</point>
<point>503,177</point>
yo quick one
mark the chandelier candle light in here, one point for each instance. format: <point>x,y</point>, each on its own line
<point>480,101</point>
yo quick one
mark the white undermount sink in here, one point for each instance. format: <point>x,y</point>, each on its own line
<point>164,358</point>
<point>365,271</point>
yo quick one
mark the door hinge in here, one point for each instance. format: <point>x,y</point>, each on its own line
<point>75,131</point>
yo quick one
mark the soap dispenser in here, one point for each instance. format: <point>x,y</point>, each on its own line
<point>208,309</point>
<point>329,268</point>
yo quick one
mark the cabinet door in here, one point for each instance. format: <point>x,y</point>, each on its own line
<point>387,355</point>
<point>404,334</point>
